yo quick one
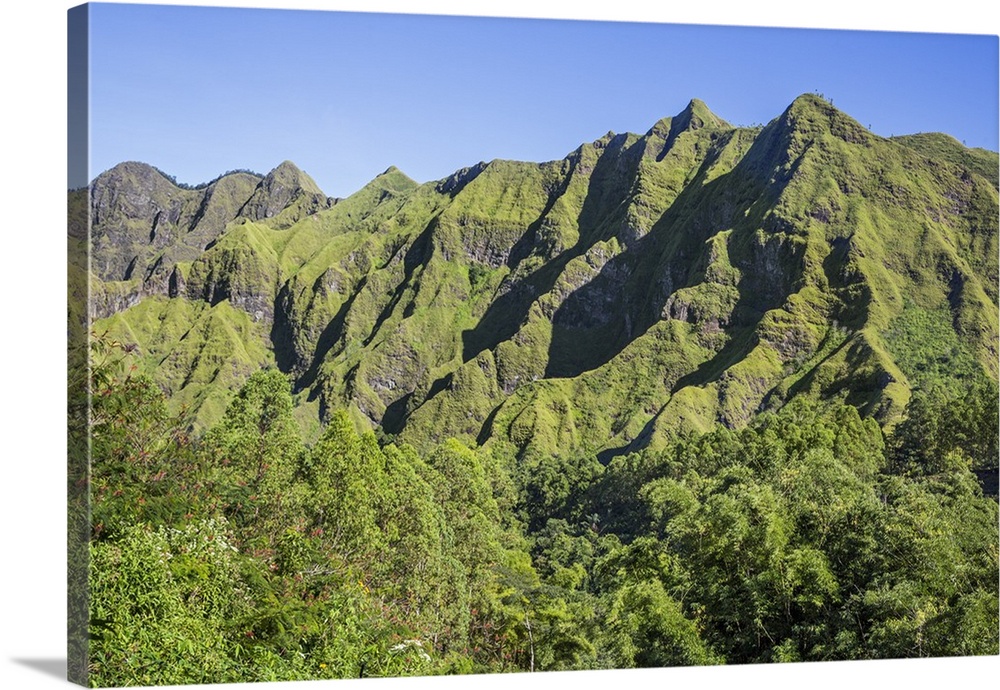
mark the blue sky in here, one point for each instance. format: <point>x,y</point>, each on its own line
<point>198,91</point>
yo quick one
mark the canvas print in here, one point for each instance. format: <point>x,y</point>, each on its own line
<point>416,345</point>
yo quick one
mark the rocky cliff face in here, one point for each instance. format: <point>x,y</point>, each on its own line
<point>288,192</point>
<point>645,284</point>
<point>146,229</point>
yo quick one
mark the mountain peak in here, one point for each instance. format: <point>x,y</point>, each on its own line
<point>395,179</point>
<point>290,175</point>
<point>812,114</point>
<point>695,115</point>
<point>280,188</point>
<point>810,106</point>
<point>141,174</point>
<point>132,166</point>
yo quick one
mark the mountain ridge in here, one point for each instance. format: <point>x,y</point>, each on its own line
<point>695,274</point>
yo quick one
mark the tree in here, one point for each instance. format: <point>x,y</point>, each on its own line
<point>256,450</point>
<point>346,476</point>
<point>647,628</point>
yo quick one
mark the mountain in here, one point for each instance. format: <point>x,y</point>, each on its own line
<point>644,285</point>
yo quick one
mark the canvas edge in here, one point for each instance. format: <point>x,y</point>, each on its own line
<point>78,375</point>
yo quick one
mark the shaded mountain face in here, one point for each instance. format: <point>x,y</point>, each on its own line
<point>643,286</point>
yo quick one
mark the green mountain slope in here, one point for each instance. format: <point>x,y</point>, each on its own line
<point>646,284</point>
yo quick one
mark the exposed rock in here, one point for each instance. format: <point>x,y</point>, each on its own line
<point>288,191</point>
<point>455,182</point>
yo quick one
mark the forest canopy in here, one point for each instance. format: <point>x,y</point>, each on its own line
<point>811,534</point>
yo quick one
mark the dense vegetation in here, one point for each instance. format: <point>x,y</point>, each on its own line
<point>808,535</point>
<point>708,394</point>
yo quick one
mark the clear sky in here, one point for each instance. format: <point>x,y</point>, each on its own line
<point>198,91</point>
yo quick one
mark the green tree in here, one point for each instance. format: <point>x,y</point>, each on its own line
<point>348,489</point>
<point>647,628</point>
<point>256,450</point>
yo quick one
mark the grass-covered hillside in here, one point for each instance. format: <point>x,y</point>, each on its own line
<point>644,286</point>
